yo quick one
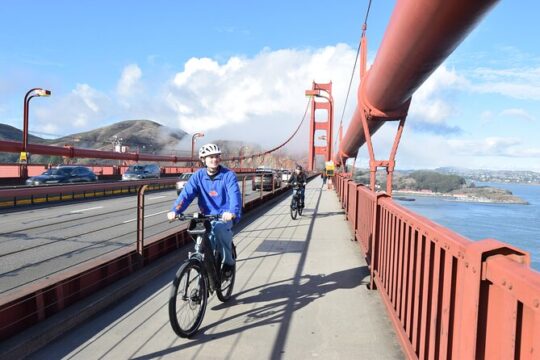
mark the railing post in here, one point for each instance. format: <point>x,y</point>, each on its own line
<point>471,302</point>
<point>375,241</point>
<point>243,191</point>
<point>140,221</point>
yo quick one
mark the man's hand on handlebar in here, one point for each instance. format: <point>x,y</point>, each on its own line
<point>171,215</point>
<point>227,216</point>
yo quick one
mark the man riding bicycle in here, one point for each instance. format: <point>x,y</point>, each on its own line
<point>299,177</point>
<point>217,191</point>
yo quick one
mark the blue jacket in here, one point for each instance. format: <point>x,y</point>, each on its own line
<point>214,196</point>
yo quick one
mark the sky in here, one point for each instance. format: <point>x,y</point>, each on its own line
<point>237,70</point>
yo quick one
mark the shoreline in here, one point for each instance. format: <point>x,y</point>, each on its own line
<point>461,197</point>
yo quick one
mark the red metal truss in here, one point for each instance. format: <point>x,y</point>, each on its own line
<point>323,91</point>
<point>419,37</point>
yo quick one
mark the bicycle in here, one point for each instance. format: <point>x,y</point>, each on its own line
<point>197,279</point>
<point>296,207</point>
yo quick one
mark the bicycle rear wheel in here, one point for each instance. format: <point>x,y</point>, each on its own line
<point>188,300</point>
<point>224,292</point>
<point>300,211</point>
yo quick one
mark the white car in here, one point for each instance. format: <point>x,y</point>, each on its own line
<point>182,181</point>
<point>285,175</point>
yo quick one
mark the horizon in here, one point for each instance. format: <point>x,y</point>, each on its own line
<point>216,67</point>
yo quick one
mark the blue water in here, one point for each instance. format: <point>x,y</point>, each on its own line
<point>518,225</point>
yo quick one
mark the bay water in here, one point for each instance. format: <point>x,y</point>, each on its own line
<point>518,225</point>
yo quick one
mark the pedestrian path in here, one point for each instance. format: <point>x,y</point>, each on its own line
<point>300,293</point>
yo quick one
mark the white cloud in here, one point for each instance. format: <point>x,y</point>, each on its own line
<point>206,95</point>
<point>428,151</point>
<point>519,83</point>
<point>432,103</point>
<point>88,96</point>
<point>517,114</point>
<point>83,108</point>
<point>128,83</point>
<point>497,147</point>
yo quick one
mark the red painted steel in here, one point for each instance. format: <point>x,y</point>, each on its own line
<point>420,35</point>
<point>327,125</point>
<point>447,296</point>
<point>517,299</point>
<point>14,170</point>
<point>73,152</point>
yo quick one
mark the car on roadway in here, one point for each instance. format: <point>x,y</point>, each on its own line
<point>285,175</point>
<point>62,175</point>
<point>270,179</point>
<point>140,172</point>
<point>182,181</point>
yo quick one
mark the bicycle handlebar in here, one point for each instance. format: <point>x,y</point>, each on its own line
<point>197,216</point>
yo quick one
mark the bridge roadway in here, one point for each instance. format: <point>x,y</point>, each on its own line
<point>300,293</point>
<point>38,241</point>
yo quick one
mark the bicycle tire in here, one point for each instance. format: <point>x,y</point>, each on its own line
<point>300,211</point>
<point>196,301</point>
<point>294,211</point>
<point>224,292</point>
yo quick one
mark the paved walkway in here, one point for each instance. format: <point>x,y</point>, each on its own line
<point>300,293</point>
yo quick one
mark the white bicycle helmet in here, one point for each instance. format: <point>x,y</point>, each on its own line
<point>208,149</point>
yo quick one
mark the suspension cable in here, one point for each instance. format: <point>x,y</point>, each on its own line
<point>364,28</point>
<point>279,146</point>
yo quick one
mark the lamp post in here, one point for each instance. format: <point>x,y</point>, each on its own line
<point>195,136</point>
<point>23,158</point>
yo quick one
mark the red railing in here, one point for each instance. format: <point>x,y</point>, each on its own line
<point>36,301</point>
<point>14,170</point>
<point>448,297</point>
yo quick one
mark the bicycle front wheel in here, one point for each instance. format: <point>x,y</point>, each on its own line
<point>294,212</point>
<point>188,300</point>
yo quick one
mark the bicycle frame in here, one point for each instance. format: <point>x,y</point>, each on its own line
<point>203,250</point>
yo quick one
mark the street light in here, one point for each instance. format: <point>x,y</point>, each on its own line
<point>195,136</point>
<point>35,92</point>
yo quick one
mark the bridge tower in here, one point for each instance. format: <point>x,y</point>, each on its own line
<point>320,127</point>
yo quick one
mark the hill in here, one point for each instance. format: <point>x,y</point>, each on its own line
<point>451,187</point>
<point>138,135</point>
<point>11,133</point>
<point>144,136</point>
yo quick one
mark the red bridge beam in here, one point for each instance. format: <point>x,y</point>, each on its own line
<point>420,36</point>
<point>73,152</point>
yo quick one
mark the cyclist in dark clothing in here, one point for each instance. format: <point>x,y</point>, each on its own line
<point>300,178</point>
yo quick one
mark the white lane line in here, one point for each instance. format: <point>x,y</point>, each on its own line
<point>92,208</point>
<point>158,213</point>
<point>157,197</point>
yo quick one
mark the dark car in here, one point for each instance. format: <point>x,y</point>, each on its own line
<point>139,172</point>
<point>62,175</point>
<point>266,175</point>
